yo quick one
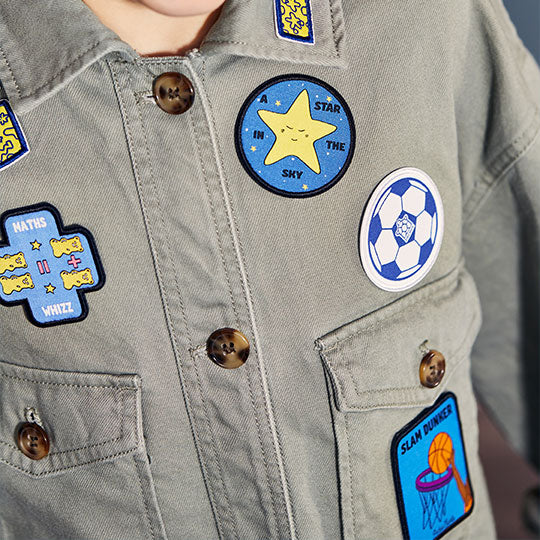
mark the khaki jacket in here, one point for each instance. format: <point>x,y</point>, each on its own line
<point>323,432</point>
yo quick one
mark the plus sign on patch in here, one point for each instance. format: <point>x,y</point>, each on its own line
<point>46,267</point>
<point>401,229</point>
<point>295,136</point>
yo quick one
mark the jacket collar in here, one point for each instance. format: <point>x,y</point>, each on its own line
<point>45,43</point>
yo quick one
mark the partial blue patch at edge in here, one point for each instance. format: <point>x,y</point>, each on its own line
<point>20,135</point>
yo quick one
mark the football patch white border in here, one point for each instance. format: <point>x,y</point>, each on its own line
<point>369,268</point>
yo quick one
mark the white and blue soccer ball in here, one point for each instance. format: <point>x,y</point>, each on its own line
<point>401,230</point>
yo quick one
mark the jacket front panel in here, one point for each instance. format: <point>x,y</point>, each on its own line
<point>296,443</point>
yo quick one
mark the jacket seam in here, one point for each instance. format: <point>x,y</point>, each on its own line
<point>247,373</point>
<point>212,209</point>
<point>146,512</point>
<point>231,217</point>
<point>409,300</point>
<point>110,387</point>
<point>277,49</point>
<point>216,460</point>
<point>350,468</point>
<point>164,301</point>
<point>45,473</point>
<point>8,65</point>
<point>60,71</point>
<point>285,492</point>
<point>492,176</point>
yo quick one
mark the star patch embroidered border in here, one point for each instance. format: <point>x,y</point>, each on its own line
<point>293,20</point>
<point>47,267</point>
<point>295,136</point>
<point>13,145</point>
<point>431,475</point>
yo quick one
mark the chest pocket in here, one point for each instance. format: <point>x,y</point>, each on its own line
<point>96,468</point>
<point>373,367</point>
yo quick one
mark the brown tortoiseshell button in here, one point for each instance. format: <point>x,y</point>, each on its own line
<point>173,92</point>
<point>432,369</point>
<point>228,348</point>
<point>32,440</point>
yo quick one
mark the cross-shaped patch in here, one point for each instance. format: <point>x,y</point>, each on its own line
<point>47,267</point>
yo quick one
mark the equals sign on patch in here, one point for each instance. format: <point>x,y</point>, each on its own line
<point>43,267</point>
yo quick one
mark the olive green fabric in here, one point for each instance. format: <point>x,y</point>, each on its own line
<point>149,438</point>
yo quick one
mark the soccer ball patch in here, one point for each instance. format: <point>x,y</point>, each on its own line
<point>431,475</point>
<point>401,230</point>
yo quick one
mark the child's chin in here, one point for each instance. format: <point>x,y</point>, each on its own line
<point>182,8</point>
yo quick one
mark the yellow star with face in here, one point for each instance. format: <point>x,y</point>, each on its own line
<point>50,288</point>
<point>296,133</point>
<point>35,245</point>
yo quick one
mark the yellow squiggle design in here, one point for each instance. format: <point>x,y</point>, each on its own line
<point>9,141</point>
<point>294,18</point>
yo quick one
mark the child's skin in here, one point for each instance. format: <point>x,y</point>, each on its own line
<point>158,27</point>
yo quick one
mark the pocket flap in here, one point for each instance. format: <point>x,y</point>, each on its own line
<point>373,362</point>
<point>88,417</point>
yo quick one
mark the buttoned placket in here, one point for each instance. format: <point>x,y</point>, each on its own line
<point>191,228</point>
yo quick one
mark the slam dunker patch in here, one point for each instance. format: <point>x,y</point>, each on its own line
<point>293,20</point>
<point>401,230</point>
<point>47,267</point>
<point>295,136</point>
<point>13,144</point>
<point>431,476</point>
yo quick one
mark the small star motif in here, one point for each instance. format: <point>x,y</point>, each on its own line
<point>328,98</point>
<point>35,245</point>
<point>50,288</point>
<point>304,186</point>
<point>253,148</point>
<point>3,118</point>
<point>278,103</point>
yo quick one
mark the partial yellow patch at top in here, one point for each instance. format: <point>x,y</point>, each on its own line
<point>9,140</point>
<point>294,17</point>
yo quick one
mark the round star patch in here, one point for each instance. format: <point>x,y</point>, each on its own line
<point>295,136</point>
<point>401,230</point>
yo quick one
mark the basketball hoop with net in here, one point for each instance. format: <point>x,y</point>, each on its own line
<point>433,490</point>
<point>433,483</point>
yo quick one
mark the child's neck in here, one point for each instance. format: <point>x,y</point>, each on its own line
<point>151,33</point>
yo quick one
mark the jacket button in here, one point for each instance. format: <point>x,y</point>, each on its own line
<point>32,440</point>
<point>173,92</point>
<point>432,369</point>
<point>228,348</point>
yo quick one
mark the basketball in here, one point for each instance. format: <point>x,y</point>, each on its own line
<point>440,453</point>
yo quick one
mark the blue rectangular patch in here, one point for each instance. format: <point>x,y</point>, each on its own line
<point>293,20</point>
<point>13,144</point>
<point>431,475</point>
